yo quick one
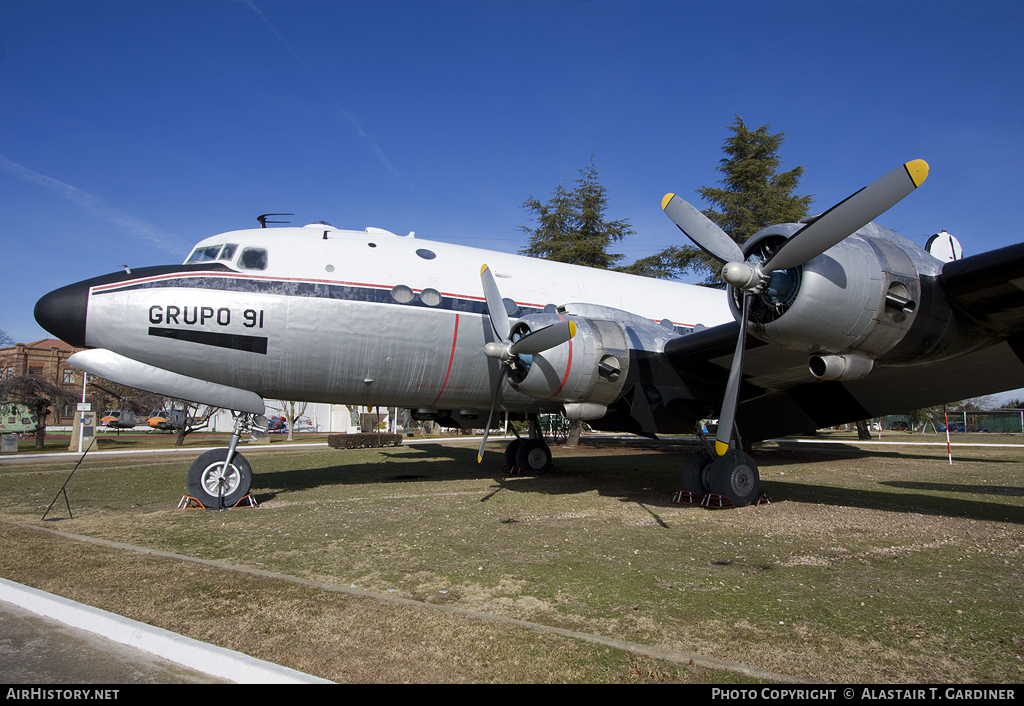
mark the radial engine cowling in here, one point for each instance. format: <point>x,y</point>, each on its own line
<point>860,297</point>
<point>586,373</point>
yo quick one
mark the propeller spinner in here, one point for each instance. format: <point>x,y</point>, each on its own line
<point>828,229</point>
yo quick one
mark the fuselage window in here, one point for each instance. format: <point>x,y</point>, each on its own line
<point>402,294</point>
<point>253,259</point>
<point>430,297</point>
<point>204,254</point>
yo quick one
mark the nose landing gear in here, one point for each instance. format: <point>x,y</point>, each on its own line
<point>221,478</point>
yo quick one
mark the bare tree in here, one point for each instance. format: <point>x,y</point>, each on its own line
<point>196,417</point>
<point>293,411</point>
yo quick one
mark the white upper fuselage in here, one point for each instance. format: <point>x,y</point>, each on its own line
<point>359,317</point>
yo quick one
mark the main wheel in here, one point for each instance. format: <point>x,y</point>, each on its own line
<point>218,486</point>
<point>534,456</point>
<point>693,472</point>
<point>735,476</point>
<point>511,450</point>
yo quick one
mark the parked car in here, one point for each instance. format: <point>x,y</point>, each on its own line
<point>899,426</point>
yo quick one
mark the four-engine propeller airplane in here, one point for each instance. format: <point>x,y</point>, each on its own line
<point>848,320</point>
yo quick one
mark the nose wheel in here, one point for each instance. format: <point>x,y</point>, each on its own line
<point>217,484</point>
<point>220,478</point>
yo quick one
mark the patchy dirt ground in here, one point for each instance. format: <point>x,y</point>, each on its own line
<point>872,564</point>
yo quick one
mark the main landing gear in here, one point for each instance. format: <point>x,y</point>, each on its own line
<point>733,476</point>
<point>531,455</point>
<point>221,478</point>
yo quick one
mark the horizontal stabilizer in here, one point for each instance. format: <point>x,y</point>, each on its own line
<point>126,371</point>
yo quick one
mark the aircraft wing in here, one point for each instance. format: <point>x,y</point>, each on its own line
<point>969,343</point>
<point>990,287</point>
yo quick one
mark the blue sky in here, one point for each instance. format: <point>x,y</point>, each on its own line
<point>130,130</point>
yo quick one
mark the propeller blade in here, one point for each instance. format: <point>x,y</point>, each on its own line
<point>495,306</point>
<point>723,440</point>
<point>704,232</point>
<point>545,338</point>
<point>848,216</point>
<point>487,428</point>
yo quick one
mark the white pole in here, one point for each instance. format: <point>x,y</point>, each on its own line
<point>949,449</point>
<point>81,415</point>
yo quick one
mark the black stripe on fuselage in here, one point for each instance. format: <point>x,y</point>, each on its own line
<point>314,290</point>
<point>322,290</point>
<point>234,341</point>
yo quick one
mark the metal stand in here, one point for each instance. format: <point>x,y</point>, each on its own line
<point>63,488</point>
<point>187,502</point>
<point>713,501</point>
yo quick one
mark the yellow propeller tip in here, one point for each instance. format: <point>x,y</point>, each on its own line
<point>918,171</point>
<point>483,268</point>
<point>479,458</point>
<point>665,199</point>
<point>721,448</point>
<point>572,329</point>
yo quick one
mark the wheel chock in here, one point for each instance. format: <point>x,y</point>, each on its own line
<point>188,502</point>
<point>250,501</point>
<point>713,501</point>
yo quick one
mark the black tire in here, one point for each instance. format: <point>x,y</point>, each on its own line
<point>693,472</point>
<point>511,450</point>
<point>735,476</point>
<point>534,456</point>
<point>214,489</point>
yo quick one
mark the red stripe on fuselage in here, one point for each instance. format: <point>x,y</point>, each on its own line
<point>451,360</point>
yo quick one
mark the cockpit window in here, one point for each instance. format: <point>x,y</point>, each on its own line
<point>228,252</point>
<point>253,259</point>
<point>204,254</point>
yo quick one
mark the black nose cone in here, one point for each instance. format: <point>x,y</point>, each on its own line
<point>62,313</point>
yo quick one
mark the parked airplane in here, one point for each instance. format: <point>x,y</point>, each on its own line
<point>848,320</point>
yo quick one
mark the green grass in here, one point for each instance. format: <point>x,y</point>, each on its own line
<point>869,566</point>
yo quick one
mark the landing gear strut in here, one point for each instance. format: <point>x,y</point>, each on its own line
<point>222,477</point>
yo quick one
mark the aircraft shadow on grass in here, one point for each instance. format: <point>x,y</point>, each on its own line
<point>647,479</point>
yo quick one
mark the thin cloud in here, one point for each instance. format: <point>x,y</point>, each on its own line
<point>341,111</point>
<point>98,209</point>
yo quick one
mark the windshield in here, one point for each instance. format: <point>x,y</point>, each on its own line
<point>212,252</point>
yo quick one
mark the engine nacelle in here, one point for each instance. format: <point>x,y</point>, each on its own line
<point>588,370</point>
<point>860,297</point>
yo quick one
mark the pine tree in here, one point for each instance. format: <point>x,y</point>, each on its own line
<point>753,197</point>
<point>572,226</point>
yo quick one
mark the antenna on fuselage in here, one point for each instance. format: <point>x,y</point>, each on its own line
<point>263,219</point>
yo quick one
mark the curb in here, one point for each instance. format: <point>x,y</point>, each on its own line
<point>199,656</point>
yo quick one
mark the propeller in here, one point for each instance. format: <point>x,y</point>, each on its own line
<point>508,351</point>
<point>828,229</point>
